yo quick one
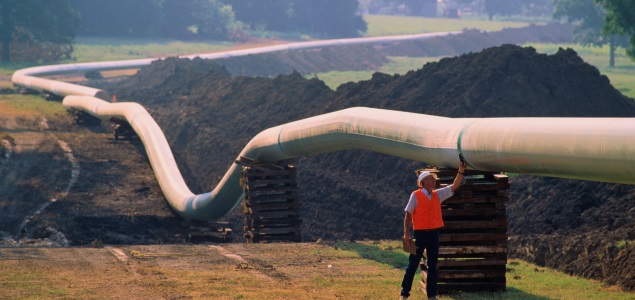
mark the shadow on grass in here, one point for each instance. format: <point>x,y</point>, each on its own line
<point>397,258</point>
<point>511,293</point>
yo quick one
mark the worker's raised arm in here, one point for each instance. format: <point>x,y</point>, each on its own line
<point>459,176</point>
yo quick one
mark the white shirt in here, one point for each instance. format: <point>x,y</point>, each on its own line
<point>444,193</point>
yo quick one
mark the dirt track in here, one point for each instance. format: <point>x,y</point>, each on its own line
<point>179,271</point>
<point>116,201</point>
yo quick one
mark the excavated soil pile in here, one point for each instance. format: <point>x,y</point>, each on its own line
<point>208,116</point>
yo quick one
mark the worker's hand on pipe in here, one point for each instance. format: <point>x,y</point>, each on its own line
<point>462,166</point>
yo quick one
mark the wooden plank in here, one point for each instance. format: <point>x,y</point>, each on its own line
<point>471,185</point>
<point>275,231</point>
<point>475,200</point>
<point>274,208</point>
<point>469,237</point>
<point>501,178</point>
<point>271,198</point>
<point>266,174</point>
<point>483,250</point>
<point>274,222</point>
<point>270,190</point>
<point>474,274</point>
<point>269,182</point>
<point>275,215</point>
<point>450,262</point>
<point>480,211</point>
<point>276,238</point>
<point>475,224</point>
<point>471,287</point>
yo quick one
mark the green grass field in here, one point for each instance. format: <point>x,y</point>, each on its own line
<point>396,25</point>
<point>93,49</point>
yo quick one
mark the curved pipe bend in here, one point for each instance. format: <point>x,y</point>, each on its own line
<point>598,149</point>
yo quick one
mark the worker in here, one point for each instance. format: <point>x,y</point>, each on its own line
<point>423,212</point>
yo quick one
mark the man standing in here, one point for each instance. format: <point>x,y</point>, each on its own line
<point>423,212</point>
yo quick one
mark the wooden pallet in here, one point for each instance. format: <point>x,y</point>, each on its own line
<point>473,242</point>
<point>271,203</point>
<point>84,118</point>
<point>201,232</point>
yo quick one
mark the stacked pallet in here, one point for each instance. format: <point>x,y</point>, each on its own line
<point>271,203</point>
<point>473,245</point>
<point>83,118</point>
<point>201,232</point>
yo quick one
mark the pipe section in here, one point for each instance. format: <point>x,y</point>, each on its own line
<point>598,149</point>
<point>28,78</point>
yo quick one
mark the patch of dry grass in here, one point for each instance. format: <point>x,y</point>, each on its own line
<point>250,271</point>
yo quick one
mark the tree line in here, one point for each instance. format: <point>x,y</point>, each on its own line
<point>217,19</point>
<point>57,22</point>
<point>49,27</point>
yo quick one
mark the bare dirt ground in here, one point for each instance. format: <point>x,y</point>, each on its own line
<point>67,185</point>
<point>182,271</point>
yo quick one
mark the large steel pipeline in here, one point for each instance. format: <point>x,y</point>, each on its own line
<point>28,77</point>
<point>597,149</point>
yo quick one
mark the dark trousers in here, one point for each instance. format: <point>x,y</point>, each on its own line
<point>429,241</point>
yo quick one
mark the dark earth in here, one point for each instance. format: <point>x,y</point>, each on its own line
<point>209,110</point>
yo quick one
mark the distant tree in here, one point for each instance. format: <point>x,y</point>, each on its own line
<point>425,8</point>
<point>187,19</point>
<point>502,7</point>
<point>44,21</point>
<point>588,18</point>
<point>620,20</point>
<point>329,18</point>
<point>179,19</point>
<point>119,18</point>
<point>324,18</point>
<point>264,15</point>
<point>213,19</point>
<point>537,7</point>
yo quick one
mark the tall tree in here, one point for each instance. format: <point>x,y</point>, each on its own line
<point>188,19</point>
<point>502,7</point>
<point>45,21</point>
<point>620,19</point>
<point>329,18</point>
<point>588,18</point>
<point>264,15</point>
<point>212,19</point>
<point>324,18</point>
<point>119,18</point>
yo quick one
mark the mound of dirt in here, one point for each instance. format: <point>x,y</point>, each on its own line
<point>208,116</point>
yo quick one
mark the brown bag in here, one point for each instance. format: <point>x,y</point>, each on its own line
<point>410,248</point>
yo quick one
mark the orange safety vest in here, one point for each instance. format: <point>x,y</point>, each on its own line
<point>427,214</point>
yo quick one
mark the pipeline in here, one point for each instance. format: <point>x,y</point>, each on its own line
<point>597,149</point>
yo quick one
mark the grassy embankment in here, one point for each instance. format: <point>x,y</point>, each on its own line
<point>525,281</point>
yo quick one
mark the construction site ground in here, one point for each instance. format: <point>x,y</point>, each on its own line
<point>83,211</point>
